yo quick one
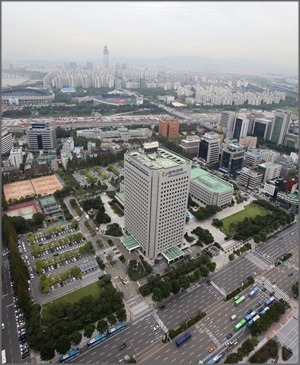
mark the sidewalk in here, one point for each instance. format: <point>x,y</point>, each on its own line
<point>273,330</point>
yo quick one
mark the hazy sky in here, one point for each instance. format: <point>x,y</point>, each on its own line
<point>78,31</point>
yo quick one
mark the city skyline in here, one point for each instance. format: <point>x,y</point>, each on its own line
<point>262,33</point>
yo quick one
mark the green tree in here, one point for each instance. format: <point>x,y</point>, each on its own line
<point>76,337</point>
<point>89,329</point>
<point>102,326</point>
<point>121,315</point>
<point>157,295</point>
<point>62,344</point>
<point>112,319</point>
<point>38,218</point>
<point>47,351</point>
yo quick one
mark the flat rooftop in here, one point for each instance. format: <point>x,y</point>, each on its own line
<point>162,159</point>
<point>208,181</point>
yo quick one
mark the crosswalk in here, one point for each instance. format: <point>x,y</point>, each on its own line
<point>221,290</point>
<point>264,282</point>
<point>262,262</point>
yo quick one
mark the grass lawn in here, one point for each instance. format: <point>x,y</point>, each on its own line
<point>251,210</point>
<point>92,289</point>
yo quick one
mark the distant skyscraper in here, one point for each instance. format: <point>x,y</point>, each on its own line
<point>105,57</point>
<point>240,128</point>
<point>280,126</point>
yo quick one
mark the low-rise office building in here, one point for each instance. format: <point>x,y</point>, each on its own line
<point>208,189</point>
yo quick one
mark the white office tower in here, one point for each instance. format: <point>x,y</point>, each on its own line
<point>156,184</point>
<point>227,121</point>
<point>209,147</point>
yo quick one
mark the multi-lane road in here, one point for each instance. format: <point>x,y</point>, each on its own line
<point>144,337</point>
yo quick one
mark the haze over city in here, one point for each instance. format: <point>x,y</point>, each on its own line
<point>250,35</point>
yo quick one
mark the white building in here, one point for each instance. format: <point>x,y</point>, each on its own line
<point>156,183</point>
<point>190,144</point>
<point>16,156</point>
<point>209,147</point>
<point>208,189</point>
<point>269,155</point>
<point>6,141</point>
<point>269,170</point>
<point>249,178</point>
<point>68,146</point>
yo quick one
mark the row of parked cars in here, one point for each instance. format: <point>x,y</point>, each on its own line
<point>54,236</point>
<point>22,338</point>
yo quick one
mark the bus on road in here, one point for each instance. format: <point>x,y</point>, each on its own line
<point>70,355</point>
<point>116,329</point>
<point>253,292</point>
<point>3,357</point>
<point>97,339</point>
<point>240,324</point>
<point>215,359</point>
<point>269,301</point>
<point>240,300</point>
<point>181,340</point>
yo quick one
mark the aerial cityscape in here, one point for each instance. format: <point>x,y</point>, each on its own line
<point>150,183</point>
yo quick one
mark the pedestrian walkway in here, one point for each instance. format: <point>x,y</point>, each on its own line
<point>271,287</point>
<point>258,261</point>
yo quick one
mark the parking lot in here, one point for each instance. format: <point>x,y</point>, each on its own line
<point>56,257</point>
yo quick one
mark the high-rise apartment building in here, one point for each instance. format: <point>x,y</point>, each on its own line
<point>280,126</point>
<point>16,156</point>
<point>156,185</point>
<point>240,128</point>
<point>168,128</point>
<point>105,57</point>
<point>41,136</point>
<point>209,147</point>
<point>6,141</point>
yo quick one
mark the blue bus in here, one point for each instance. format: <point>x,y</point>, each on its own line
<point>69,355</point>
<point>95,340</point>
<point>116,329</point>
<point>253,292</point>
<point>248,317</point>
<point>269,301</point>
<point>181,340</point>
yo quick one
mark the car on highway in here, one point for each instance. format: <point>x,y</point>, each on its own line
<point>122,347</point>
<point>211,349</point>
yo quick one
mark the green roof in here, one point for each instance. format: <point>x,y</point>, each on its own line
<point>121,196</point>
<point>208,181</point>
<point>130,243</point>
<point>173,253</point>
